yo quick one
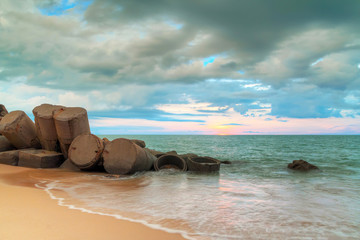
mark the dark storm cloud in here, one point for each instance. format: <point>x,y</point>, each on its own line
<point>252,27</point>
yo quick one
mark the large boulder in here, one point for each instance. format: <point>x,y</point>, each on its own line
<point>302,165</point>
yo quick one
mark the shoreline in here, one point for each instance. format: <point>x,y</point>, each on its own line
<point>30,212</point>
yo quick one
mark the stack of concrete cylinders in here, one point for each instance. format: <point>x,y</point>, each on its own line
<point>70,122</point>
<point>45,126</point>
<point>18,128</point>
<point>86,151</point>
<point>122,156</point>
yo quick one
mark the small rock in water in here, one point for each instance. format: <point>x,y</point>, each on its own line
<point>225,162</point>
<point>301,165</point>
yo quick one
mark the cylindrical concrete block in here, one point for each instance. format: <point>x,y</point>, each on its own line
<point>69,123</point>
<point>203,164</point>
<point>86,151</point>
<point>18,128</point>
<point>45,126</point>
<point>122,156</point>
<point>169,161</point>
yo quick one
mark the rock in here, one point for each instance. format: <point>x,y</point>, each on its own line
<point>69,123</point>
<point>122,156</point>
<point>5,145</point>
<point>86,151</point>
<point>225,162</point>
<point>40,159</point>
<point>140,143</point>
<point>301,165</point>
<point>11,157</point>
<point>170,161</point>
<point>18,128</point>
<point>45,126</point>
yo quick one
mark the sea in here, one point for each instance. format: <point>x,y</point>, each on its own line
<point>254,197</point>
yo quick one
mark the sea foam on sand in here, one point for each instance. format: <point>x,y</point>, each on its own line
<point>29,213</point>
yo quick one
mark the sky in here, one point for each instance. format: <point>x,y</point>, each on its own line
<point>228,67</point>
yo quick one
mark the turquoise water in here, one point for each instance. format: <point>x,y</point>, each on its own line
<point>256,197</point>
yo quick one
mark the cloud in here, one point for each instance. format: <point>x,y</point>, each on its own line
<point>183,60</point>
<point>233,124</point>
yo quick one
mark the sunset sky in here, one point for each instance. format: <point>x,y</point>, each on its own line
<point>189,66</point>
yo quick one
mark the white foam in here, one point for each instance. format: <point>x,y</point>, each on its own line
<point>61,202</point>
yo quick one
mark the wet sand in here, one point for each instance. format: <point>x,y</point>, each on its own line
<point>28,212</point>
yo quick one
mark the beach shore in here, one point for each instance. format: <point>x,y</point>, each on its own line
<point>28,212</point>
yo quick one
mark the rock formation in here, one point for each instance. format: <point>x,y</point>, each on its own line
<point>302,165</point>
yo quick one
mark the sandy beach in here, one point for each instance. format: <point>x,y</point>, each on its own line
<point>28,212</point>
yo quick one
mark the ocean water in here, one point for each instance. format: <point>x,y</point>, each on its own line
<point>255,197</point>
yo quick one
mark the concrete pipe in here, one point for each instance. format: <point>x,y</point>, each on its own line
<point>86,151</point>
<point>122,156</point>
<point>169,161</point>
<point>203,164</point>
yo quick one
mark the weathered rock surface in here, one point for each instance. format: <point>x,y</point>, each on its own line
<point>40,159</point>
<point>122,156</point>
<point>5,145</point>
<point>45,126</point>
<point>302,165</point>
<point>70,123</point>
<point>86,151</point>
<point>18,128</point>
<point>11,157</point>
